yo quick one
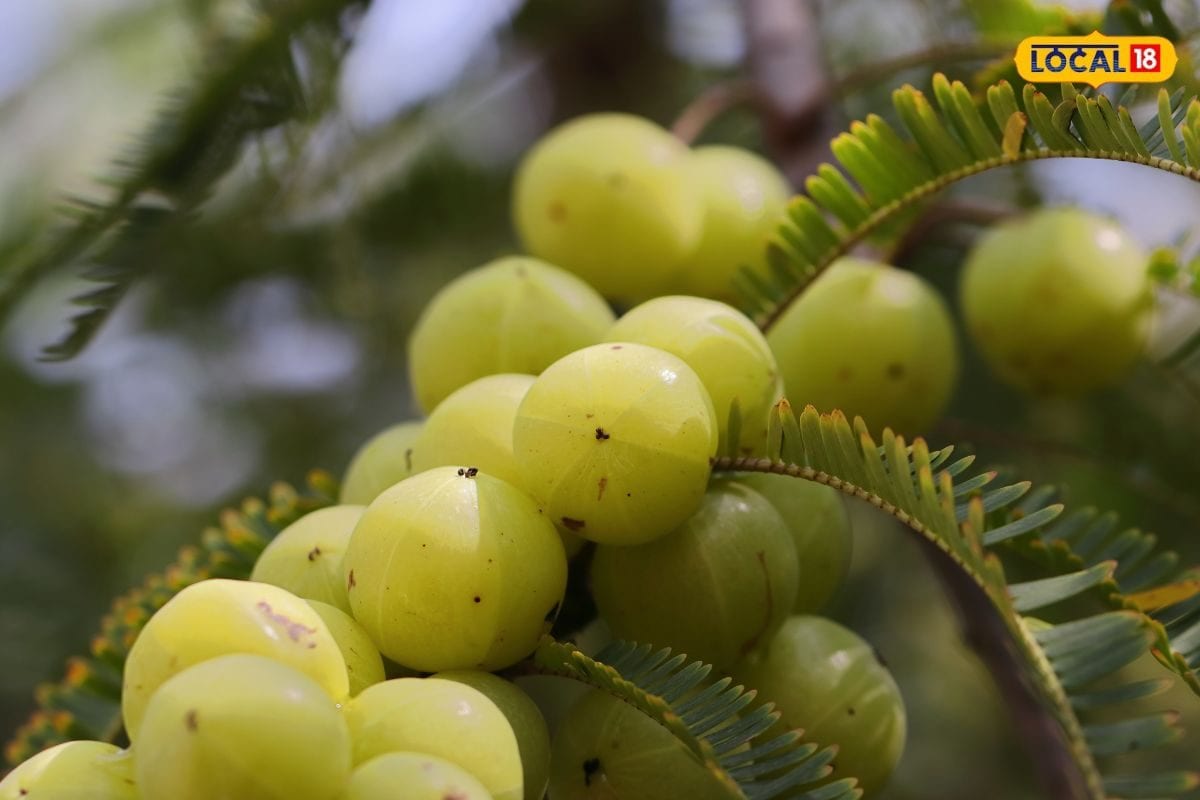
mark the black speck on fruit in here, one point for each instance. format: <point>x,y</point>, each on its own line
<point>601,435</point>
<point>312,554</point>
<point>350,584</point>
<point>478,599</point>
<point>590,768</point>
<point>191,720</point>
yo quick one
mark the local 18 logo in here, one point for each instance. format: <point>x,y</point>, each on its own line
<point>1096,59</point>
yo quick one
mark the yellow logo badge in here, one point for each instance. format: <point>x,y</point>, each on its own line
<point>1096,59</point>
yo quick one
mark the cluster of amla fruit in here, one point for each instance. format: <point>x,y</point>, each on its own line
<point>552,423</point>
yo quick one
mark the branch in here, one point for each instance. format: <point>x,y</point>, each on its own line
<point>784,59</point>
<point>710,104</point>
<point>935,221</point>
<point>1042,737</point>
<point>1047,743</point>
<point>793,86</point>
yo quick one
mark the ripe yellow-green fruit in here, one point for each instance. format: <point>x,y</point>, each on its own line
<point>455,569</point>
<point>614,442</point>
<point>606,749</point>
<point>364,665</point>
<point>871,340</point>
<point>827,680</point>
<point>443,718</point>
<point>727,351</point>
<point>820,528</point>
<point>217,617</point>
<point>533,738</point>
<point>515,315</point>
<point>79,770</point>
<point>1058,301</point>
<point>385,459</point>
<point>474,426</point>
<point>306,557</point>
<point>413,776</point>
<point>611,198</point>
<point>242,726</point>
<point>745,199</point>
<point>715,588</point>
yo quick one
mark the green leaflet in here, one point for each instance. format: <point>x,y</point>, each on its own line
<point>750,763</point>
<point>86,704</point>
<point>1144,579</point>
<point>965,518</point>
<point>250,84</point>
<point>929,491</point>
<point>706,717</point>
<point>882,172</point>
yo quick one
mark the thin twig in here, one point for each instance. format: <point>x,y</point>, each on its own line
<point>737,92</point>
<point>710,104</point>
<point>725,96</point>
<point>934,221</point>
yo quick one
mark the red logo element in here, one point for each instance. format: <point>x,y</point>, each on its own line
<point>1146,57</point>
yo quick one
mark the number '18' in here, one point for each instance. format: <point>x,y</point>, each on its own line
<point>1145,57</point>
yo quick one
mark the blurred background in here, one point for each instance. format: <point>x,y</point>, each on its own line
<point>268,335</point>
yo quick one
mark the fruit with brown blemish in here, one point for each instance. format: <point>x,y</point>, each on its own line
<point>428,546</point>
<point>364,664</point>
<point>242,726</point>
<point>871,340</point>
<point>610,197</point>
<point>217,617</point>
<point>512,315</point>
<point>820,527</point>
<point>636,417</point>
<point>413,776</point>
<point>727,351</point>
<point>306,557</point>
<point>78,770</point>
<point>715,588</point>
<point>444,718</point>
<point>827,680</point>
<point>474,426</point>
<point>605,749</point>
<point>385,459</point>
<point>1058,301</point>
